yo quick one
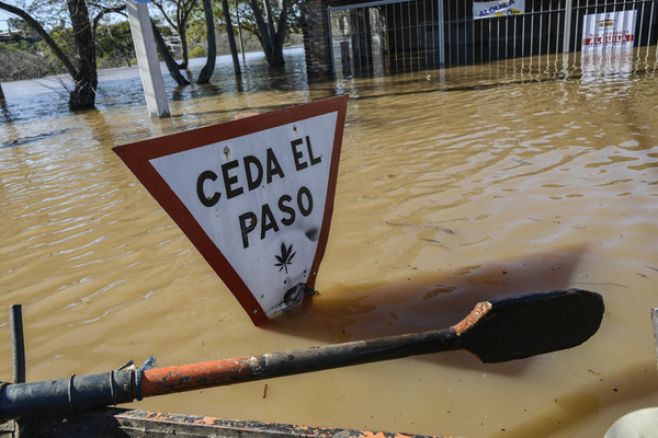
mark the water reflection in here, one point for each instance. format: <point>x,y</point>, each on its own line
<point>32,100</point>
<point>637,381</point>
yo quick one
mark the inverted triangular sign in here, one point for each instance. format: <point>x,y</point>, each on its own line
<point>254,195</point>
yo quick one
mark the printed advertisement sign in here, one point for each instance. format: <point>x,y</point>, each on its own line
<point>609,29</point>
<point>497,8</point>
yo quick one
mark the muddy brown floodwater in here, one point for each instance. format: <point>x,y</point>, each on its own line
<point>454,187</point>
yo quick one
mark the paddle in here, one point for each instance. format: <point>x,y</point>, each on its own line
<point>495,331</point>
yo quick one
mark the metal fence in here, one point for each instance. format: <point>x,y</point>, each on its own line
<point>399,36</point>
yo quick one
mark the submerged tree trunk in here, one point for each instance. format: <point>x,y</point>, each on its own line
<point>179,23</point>
<point>169,60</point>
<point>182,33</point>
<point>237,17</point>
<point>209,68</point>
<point>85,77</point>
<point>231,38</point>
<point>83,94</point>
<point>280,37</point>
<point>271,39</point>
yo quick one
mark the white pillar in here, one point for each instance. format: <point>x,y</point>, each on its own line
<point>654,318</point>
<point>566,42</point>
<point>442,39</point>
<point>147,57</point>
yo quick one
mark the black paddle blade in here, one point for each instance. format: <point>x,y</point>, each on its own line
<point>527,325</point>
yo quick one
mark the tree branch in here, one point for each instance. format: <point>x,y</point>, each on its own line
<point>164,14</point>
<point>265,38</point>
<point>168,59</point>
<point>106,10</point>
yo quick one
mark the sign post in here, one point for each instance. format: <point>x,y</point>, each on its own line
<point>254,195</point>
<point>147,57</point>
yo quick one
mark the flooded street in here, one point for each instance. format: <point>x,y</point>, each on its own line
<point>454,186</point>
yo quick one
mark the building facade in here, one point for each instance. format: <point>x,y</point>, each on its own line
<point>350,38</point>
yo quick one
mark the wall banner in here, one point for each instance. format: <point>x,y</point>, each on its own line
<point>609,29</point>
<point>497,8</point>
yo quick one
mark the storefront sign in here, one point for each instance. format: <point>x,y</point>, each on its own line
<point>609,29</point>
<point>498,8</point>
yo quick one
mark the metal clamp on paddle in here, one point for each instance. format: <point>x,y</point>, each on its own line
<point>139,373</point>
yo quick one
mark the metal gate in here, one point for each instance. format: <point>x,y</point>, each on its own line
<point>386,37</point>
<point>400,36</point>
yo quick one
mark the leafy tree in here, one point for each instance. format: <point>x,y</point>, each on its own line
<point>16,25</point>
<point>84,73</point>
<point>270,21</point>
<point>197,52</point>
<point>114,45</point>
<point>63,37</point>
<point>23,60</point>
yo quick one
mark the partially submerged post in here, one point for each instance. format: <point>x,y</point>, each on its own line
<point>17,343</point>
<point>147,57</point>
<point>566,42</point>
<point>654,319</point>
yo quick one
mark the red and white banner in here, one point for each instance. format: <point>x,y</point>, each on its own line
<point>609,29</point>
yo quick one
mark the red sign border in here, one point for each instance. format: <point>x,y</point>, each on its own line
<point>137,157</point>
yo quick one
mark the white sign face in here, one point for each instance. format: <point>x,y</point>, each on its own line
<point>256,200</point>
<point>497,8</point>
<point>609,29</point>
